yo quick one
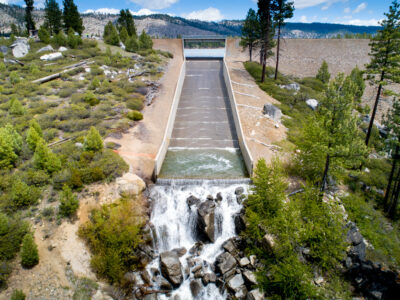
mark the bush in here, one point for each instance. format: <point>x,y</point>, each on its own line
<point>132,44</point>
<point>145,41</point>
<point>29,252</point>
<point>135,103</point>
<point>91,99</point>
<point>44,35</point>
<point>73,40</point>
<point>18,295</point>
<point>113,233</point>
<point>45,159</point>
<point>22,195</point>
<point>16,108</point>
<point>14,78</point>
<point>60,39</point>
<point>66,92</point>
<point>5,272</point>
<point>68,202</point>
<point>110,35</point>
<point>12,230</point>
<point>135,115</point>
<point>93,141</point>
<point>10,147</point>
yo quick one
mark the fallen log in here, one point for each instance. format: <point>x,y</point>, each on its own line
<point>58,75</point>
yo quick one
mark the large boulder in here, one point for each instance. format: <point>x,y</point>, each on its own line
<point>312,103</point>
<point>272,112</point>
<point>20,47</point>
<point>130,184</point>
<point>205,223</point>
<point>236,283</point>
<point>225,262</point>
<point>171,268</point>
<point>254,295</point>
<point>46,49</point>
<point>62,49</point>
<point>268,242</point>
<point>51,56</point>
<point>195,287</point>
<point>249,278</point>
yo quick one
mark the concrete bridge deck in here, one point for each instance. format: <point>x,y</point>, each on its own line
<point>204,116</point>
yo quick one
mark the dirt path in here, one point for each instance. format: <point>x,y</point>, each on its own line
<point>259,131</point>
<point>140,145</point>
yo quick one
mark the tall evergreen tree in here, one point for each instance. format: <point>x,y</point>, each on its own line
<point>266,11</point>
<point>329,140</point>
<point>284,11</point>
<point>53,17</point>
<point>30,24</point>
<point>125,19</point>
<point>71,16</point>
<point>323,73</point>
<point>384,67</point>
<point>110,35</point>
<point>250,32</point>
<point>392,122</point>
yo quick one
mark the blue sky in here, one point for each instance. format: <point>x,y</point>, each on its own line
<point>355,12</point>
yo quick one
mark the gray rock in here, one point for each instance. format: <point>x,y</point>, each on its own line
<point>240,190</point>
<point>241,293</point>
<point>180,251</point>
<point>199,273</point>
<point>253,260</point>
<point>164,284</point>
<point>44,49</point>
<point>272,112</point>
<point>240,224</point>
<point>249,278</point>
<point>236,283</point>
<point>62,49</point>
<point>195,287</point>
<point>79,145</point>
<point>254,295</point>
<point>205,225</point>
<point>312,103</point>
<point>171,267</point>
<point>225,262</point>
<point>291,87</point>
<point>192,200</point>
<point>51,56</point>
<point>20,47</point>
<point>4,50</point>
<point>209,278</point>
<point>229,246</point>
<point>268,242</point>
<point>244,261</point>
<point>219,197</point>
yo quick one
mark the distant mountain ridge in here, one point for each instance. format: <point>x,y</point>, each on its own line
<point>161,25</point>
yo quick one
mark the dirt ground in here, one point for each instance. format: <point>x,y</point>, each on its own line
<point>140,145</point>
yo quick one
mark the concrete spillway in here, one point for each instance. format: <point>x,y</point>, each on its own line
<point>204,142</point>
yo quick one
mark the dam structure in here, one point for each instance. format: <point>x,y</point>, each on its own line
<point>203,139</point>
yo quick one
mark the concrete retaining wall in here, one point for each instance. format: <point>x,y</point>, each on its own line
<point>170,125</point>
<point>248,159</point>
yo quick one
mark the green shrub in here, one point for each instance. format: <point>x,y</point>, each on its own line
<point>77,98</point>
<point>18,295</point>
<point>96,71</point>
<point>60,39</point>
<point>132,44</point>
<point>136,102</point>
<point>10,147</point>
<point>91,99</point>
<point>73,40</point>
<point>44,35</point>
<point>113,233</point>
<point>95,84</point>
<point>66,92</point>
<point>12,230</point>
<point>68,202</point>
<point>14,78</point>
<point>110,35</point>
<point>135,115</point>
<point>22,195</point>
<point>29,252</point>
<point>5,272</point>
<point>33,68</point>
<point>93,140</point>
<point>145,41</point>
<point>45,159</point>
<point>16,108</point>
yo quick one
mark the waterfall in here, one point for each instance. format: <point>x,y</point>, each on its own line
<point>174,224</point>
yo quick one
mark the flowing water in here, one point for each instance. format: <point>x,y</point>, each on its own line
<point>174,224</point>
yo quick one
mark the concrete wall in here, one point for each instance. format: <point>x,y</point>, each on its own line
<point>248,159</point>
<point>170,124</point>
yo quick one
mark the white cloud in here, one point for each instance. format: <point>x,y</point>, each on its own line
<point>154,4</point>
<point>370,22</point>
<point>111,11</point>
<point>143,12</point>
<point>360,7</point>
<point>303,19</point>
<point>210,14</point>
<point>299,4</point>
<point>347,10</point>
<point>325,7</point>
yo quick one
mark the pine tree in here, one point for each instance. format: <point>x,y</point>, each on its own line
<point>145,41</point>
<point>357,77</point>
<point>93,140</point>
<point>30,24</point>
<point>68,202</point>
<point>45,159</point>
<point>132,44</point>
<point>110,35</point>
<point>123,35</point>
<point>266,11</point>
<point>284,11</point>
<point>34,134</point>
<point>16,107</point>
<point>323,73</point>
<point>44,35</point>
<point>29,252</point>
<point>392,122</point>
<point>71,17</point>
<point>250,32</point>
<point>330,140</point>
<point>125,20</point>
<point>385,51</point>
<point>53,17</point>
<point>10,146</point>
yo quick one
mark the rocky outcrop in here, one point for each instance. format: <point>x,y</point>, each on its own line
<point>225,262</point>
<point>171,268</point>
<point>312,103</point>
<point>272,112</point>
<point>291,87</point>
